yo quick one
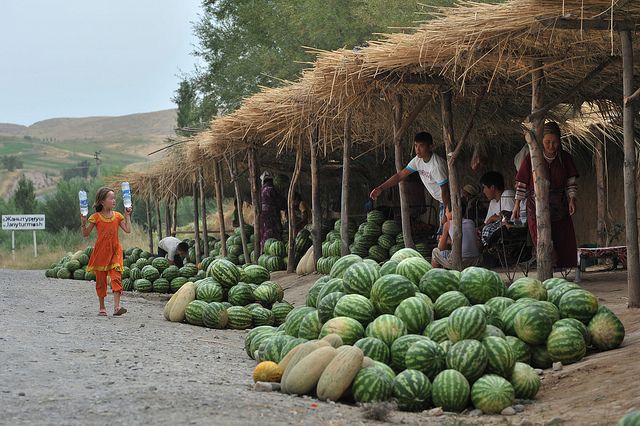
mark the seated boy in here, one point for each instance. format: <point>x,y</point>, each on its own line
<point>441,255</point>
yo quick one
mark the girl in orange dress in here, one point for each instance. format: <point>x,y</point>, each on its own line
<point>106,258</point>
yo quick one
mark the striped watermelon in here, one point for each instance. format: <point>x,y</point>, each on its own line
<point>312,295</point>
<point>450,390</point>
<point>415,313</point>
<point>426,356</point>
<point>255,274</point>
<point>500,357</point>
<point>566,344</point>
<point>225,272</point>
<point>265,293</point>
<point>405,253</point>
<point>466,322</point>
<point>527,287</point>
<point>606,330</point>
<point>551,283</point>
<point>241,295</point>
<point>188,270</point>
<point>437,330</point>
<point>161,285</point>
<point>438,281</point>
<point>369,386</point>
<point>294,318</point>
<point>540,357</point>
<point>413,268</point>
<point>127,285</point>
<point>389,267</point>
<point>215,315</point>
<point>355,306</point>
<point>349,329</point>
<point>555,294</point>
<point>386,241</point>
<point>572,322</point>
<point>310,326</point>
<point>150,273</point>
<point>255,337</point>
<point>446,345</point>
<point>378,254</point>
<point>389,290</point>
<point>579,304</point>
<point>135,273</point>
<point>468,357</point>
<point>261,316</point>
<point>386,328</point>
<point>178,282</point>
<point>331,286</point>
<point>160,263</point>
<point>426,299</point>
<point>359,278</point>
<point>412,390</point>
<point>532,325</point>
<point>479,284</point>
<point>508,316</point>
<point>492,330</point>
<point>338,269</point>
<point>631,419</point>
<point>327,305</point>
<point>391,228</point>
<point>280,311</point>
<point>492,394</point>
<point>142,285</point>
<point>399,349</point>
<point>552,311</point>
<point>525,381</point>
<point>209,291</point>
<point>383,369</point>
<point>193,312</point>
<point>239,318</point>
<point>169,273</point>
<point>449,302</point>
<point>272,348</point>
<point>374,348</point>
<point>376,217</point>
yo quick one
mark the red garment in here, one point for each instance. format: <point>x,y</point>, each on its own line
<point>107,253</point>
<point>562,232</point>
<point>101,282</point>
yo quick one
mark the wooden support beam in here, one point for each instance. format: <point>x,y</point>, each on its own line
<point>449,143</point>
<point>315,197</point>
<point>196,218</point>
<point>217,173</point>
<point>399,127</point>
<point>174,215</point>
<point>233,169</point>
<point>542,111</point>
<point>291,263</point>
<point>344,205</point>
<point>541,182</point>
<point>152,248</point>
<point>203,207</point>
<point>255,201</point>
<point>630,156</point>
<point>167,217</point>
<point>559,23</point>
<point>601,194</point>
<point>159,217</point>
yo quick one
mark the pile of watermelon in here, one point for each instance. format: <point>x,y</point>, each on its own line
<point>432,337</point>
<point>237,298</point>
<point>72,266</point>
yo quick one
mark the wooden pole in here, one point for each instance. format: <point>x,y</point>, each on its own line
<point>196,219</point>
<point>315,198</point>
<point>344,205</point>
<point>203,206</point>
<point>291,263</point>
<point>233,169</point>
<point>397,150</point>
<point>449,143</point>
<point>255,202</point>
<point>601,196</point>
<point>159,217</point>
<point>167,218</point>
<point>174,215</point>
<point>217,173</point>
<point>149,226</point>
<point>631,214</point>
<point>541,177</point>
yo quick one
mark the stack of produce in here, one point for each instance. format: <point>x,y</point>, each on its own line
<point>72,266</point>
<point>431,337</point>
<point>231,297</point>
<point>274,257</point>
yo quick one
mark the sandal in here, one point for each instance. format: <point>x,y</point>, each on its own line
<point>102,312</point>
<point>119,312</point>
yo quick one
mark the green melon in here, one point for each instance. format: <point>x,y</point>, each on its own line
<point>492,394</point>
<point>143,285</point>
<point>606,330</point>
<point>551,283</point>
<point>399,349</point>
<point>255,274</point>
<point>294,318</point>
<point>271,348</point>
<point>209,291</point>
<point>411,390</point>
<point>479,284</point>
<point>566,344</point>
<point>161,285</point>
<point>555,294</point>
<point>448,302</point>
<point>327,305</point>
<point>386,328</point>
<point>521,351</point>
<point>215,315</point>
<point>193,312</point>
<point>374,348</point>
<point>501,358</point>
<point>527,287</point>
<point>426,356</point>
<point>450,390</point>
<point>437,330</point>
<point>255,337</point>
<point>241,295</point>
<point>178,282</point>
<point>355,306</point>
<point>359,278</point>
<point>338,269</point>
<point>312,295</point>
<point>525,381</point>
<point>239,318</point>
<point>540,357</point>
<point>415,313</point>
<point>389,291</point>
<point>225,272</point>
<point>170,272</point>
<point>261,316</point>
<point>579,304</point>
<point>438,281</point>
<point>413,268</point>
<point>349,329</point>
<point>331,286</point>
<point>389,267</point>
<point>631,419</point>
<point>468,357</point>
<point>532,325</point>
<point>405,253</point>
<point>280,311</point>
<point>310,326</point>
<point>466,322</point>
<point>370,386</point>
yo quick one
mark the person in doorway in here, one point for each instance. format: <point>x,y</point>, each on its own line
<point>174,250</point>
<point>302,212</point>
<point>441,255</point>
<point>432,170</point>
<point>563,191</point>
<point>271,204</point>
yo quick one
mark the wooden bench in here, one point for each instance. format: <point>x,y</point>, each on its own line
<point>617,253</point>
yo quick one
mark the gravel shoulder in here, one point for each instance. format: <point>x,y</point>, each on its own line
<point>62,364</point>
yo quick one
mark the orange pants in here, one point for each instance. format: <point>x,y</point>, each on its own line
<point>101,282</point>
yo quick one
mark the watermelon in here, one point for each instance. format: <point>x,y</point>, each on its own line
<point>572,322</point>
<point>374,348</point>
<point>448,302</point>
<point>386,241</point>
<point>241,295</point>
<point>370,386</point>
<point>378,254</point>
<point>161,285</point>
<point>438,281</point>
<point>225,272</point>
<point>386,328</point>
<point>389,267</point>
<point>555,294</point>
<point>415,313</point>
<point>78,274</point>
<point>267,294</point>
<point>500,357</point>
<point>178,282</point>
<point>160,263</point>
<point>437,330</point>
<point>391,227</point>
<point>491,330</point>
<point>383,369</point>
<point>271,348</point>
<point>527,287</point>
<point>239,318</point>
<point>312,295</point>
<point>127,284</point>
<point>566,344</point>
<point>413,268</point>
<point>63,273</point>
<point>525,381</point>
<point>552,311</point>
<point>606,330</point>
<point>255,274</point>
<point>280,311</point>
<point>349,329</point>
<point>468,357</point>
<point>492,394</point>
<point>261,316</point>
<point>631,419</point>
<point>355,306</point>
<point>412,390</point>
<point>333,285</point>
<point>389,290</point>
<point>520,349</point>
<point>193,313</point>
<point>338,269</point>
<point>466,322</point>
<point>579,304</point>
<point>450,390</point>
<point>499,304</point>
<point>479,284</point>
<point>508,317</point>
<point>215,315</point>
<point>540,357</point>
<point>294,318</point>
<point>170,272</point>
<point>255,337</point>
<point>188,270</point>
<point>142,285</point>
<point>209,291</point>
<point>405,253</point>
<point>327,305</point>
<point>310,326</point>
<point>399,349</point>
<point>532,325</point>
<point>551,283</point>
<point>359,278</point>
<point>426,356</point>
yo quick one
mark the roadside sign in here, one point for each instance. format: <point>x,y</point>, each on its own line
<point>23,222</point>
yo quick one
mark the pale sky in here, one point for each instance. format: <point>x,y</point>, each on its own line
<point>78,58</point>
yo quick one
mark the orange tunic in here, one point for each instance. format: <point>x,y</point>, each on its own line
<point>107,253</point>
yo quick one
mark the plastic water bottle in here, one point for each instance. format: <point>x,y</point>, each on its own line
<point>126,195</point>
<point>84,203</point>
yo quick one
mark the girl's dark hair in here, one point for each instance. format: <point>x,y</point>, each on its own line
<point>101,195</point>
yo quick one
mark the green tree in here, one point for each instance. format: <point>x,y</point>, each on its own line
<point>11,162</point>
<point>186,98</point>
<point>25,196</point>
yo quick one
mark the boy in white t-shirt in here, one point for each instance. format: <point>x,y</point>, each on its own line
<point>500,200</point>
<point>432,170</point>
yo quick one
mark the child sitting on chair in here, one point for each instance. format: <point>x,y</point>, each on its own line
<point>441,255</point>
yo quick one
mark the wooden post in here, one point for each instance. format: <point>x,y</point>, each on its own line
<point>631,214</point>
<point>167,218</point>
<point>196,219</point>
<point>255,202</point>
<point>291,263</point>
<point>601,196</point>
<point>404,195</point>
<point>174,215</point>
<point>315,198</point>
<point>159,217</point>
<point>217,173</point>
<point>449,143</point>
<point>541,177</point>
<point>203,206</point>
<point>233,169</point>
<point>344,205</point>
<point>149,226</point>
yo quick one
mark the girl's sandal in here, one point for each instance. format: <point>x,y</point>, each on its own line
<point>119,312</point>
<point>102,312</point>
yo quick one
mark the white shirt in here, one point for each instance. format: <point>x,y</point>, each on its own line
<point>469,243</point>
<point>506,202</point>
<point>433,173</point>
<point>170,245</point>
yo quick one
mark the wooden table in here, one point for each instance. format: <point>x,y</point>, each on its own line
<point>617,252</point>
